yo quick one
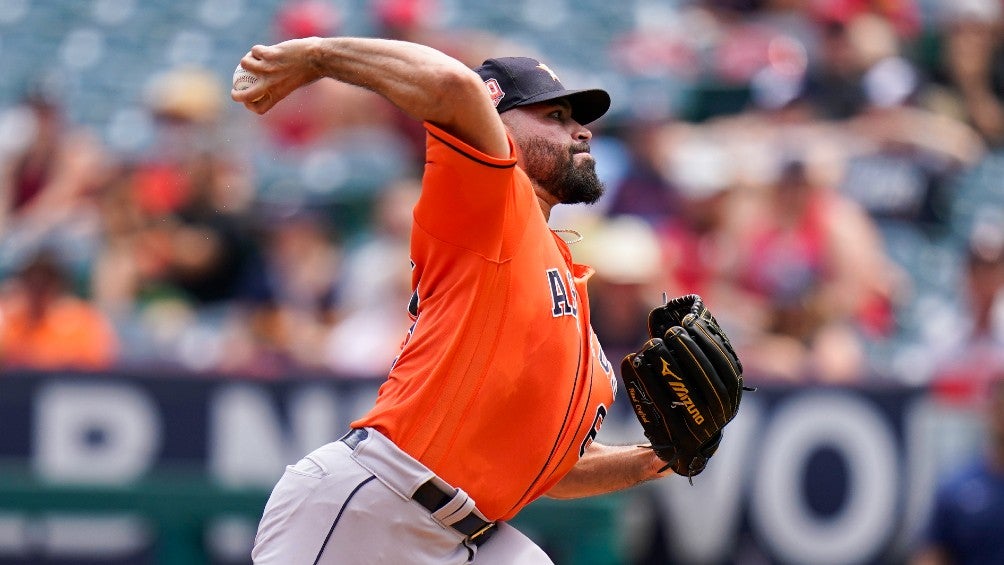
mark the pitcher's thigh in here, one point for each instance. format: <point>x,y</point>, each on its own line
<point>294,527</point>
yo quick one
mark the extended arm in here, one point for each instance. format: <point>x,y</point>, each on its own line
<point>423,82</point>
<point>607,468</point>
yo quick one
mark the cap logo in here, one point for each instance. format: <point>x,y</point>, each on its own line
<point>548,70</point>
<point>495,91</point>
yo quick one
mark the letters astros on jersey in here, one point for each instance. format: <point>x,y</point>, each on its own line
<point>564,300</point>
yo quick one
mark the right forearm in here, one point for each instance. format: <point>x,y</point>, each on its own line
<point>416,78</point>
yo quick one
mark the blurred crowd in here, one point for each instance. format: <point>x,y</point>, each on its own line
<point>828,187</point>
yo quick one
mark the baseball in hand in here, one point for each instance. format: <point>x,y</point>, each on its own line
<point>243,79</point>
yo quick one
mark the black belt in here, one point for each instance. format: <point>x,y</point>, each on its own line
<point>432,498</point>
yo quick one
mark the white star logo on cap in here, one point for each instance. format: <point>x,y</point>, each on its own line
<point>548,70</point>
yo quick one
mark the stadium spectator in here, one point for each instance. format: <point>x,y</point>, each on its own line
<point>817,266</point>
<point>904,16</point>
<point>177,221</point>
<point>964,526</point>
<point>833,83</point>
<point>44,325</point>
<point>194,194</point>
<point>50,172</point>
<point>909,156</point>
<point>700,243</point>
<point>628,281</point>
<point>643,189</point>
<point>968,355</point>
<point>374,289</point>
<point>971,63</point>
<point>281,332</point>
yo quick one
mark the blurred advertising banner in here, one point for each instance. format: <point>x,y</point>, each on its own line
<point>805,475</point>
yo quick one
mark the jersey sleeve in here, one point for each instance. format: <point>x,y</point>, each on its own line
<point>472,200</point>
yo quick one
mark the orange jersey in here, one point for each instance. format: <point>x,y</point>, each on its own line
<point>501,384</point>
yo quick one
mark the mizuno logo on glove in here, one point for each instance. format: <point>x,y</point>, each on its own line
<point>684,395</point>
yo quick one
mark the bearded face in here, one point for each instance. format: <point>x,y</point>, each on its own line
<point>556,170</point>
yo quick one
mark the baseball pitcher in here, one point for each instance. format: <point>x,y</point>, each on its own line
<point>501,385</point>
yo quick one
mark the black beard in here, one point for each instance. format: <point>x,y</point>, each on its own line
<point>555,171</point>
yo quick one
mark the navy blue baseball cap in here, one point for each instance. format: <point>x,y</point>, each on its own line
<point>518,81</point>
